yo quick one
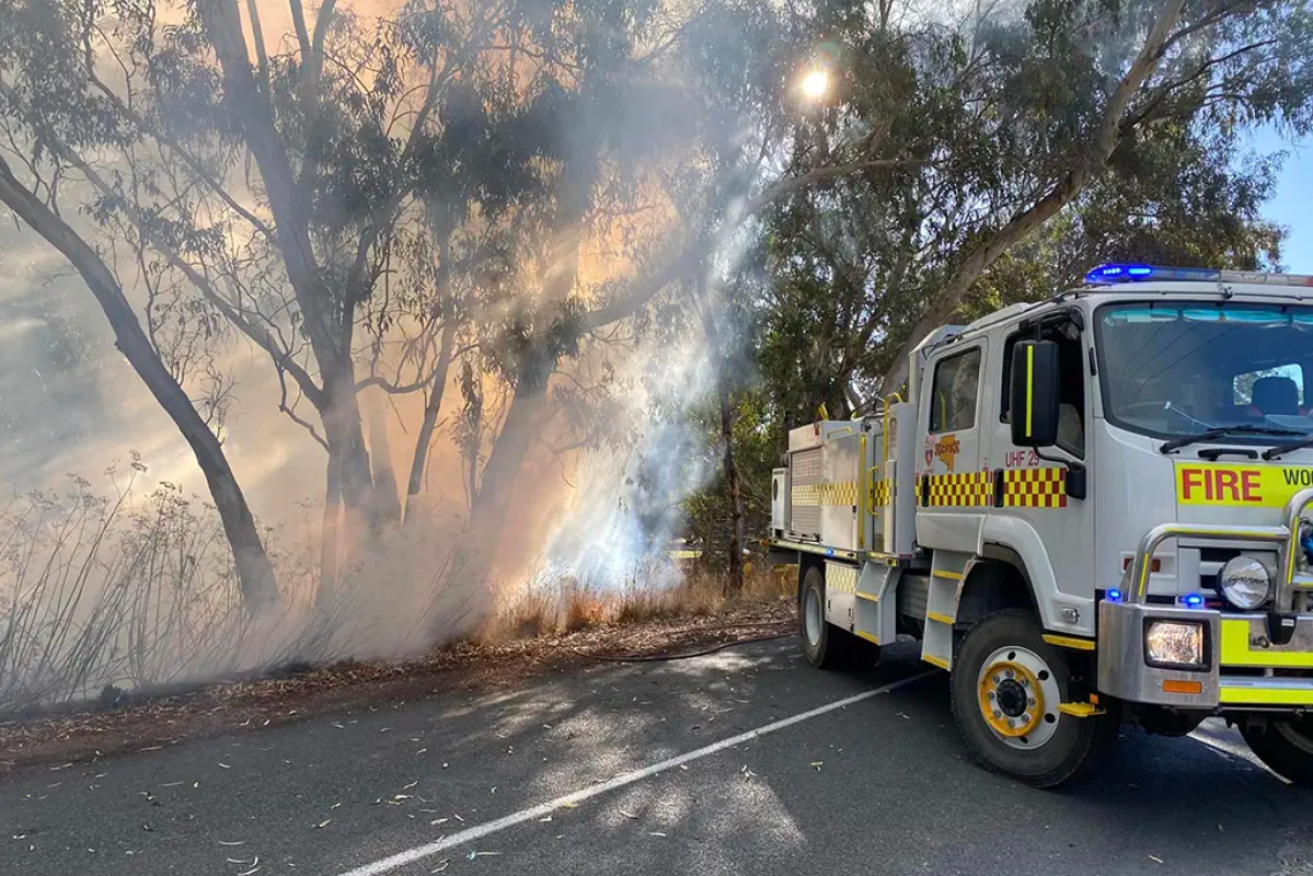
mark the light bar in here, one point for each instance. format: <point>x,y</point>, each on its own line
<point>1112,274</point>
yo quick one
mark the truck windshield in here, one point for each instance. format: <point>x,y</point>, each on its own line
<point>1182,368</point>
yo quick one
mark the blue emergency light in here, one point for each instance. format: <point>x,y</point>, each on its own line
<point>1104,275</point>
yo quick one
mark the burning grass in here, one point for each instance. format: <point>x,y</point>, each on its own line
<point>565,605</point>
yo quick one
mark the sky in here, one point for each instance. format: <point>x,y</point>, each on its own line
<point>1292,206</point>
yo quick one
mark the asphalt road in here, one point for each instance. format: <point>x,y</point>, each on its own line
<point>880,785</point>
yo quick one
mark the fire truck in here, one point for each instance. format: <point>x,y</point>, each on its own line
<point>1088,510</point>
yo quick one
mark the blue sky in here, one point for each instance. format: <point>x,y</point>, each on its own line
<point>1293,204</point>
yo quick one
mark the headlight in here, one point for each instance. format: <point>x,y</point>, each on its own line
<point>1170,643</point>
<point>1245,582</point>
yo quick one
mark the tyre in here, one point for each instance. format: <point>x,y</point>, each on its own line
<point>1286,747</point>
<point>1007,684</point>
<point>827,646</point>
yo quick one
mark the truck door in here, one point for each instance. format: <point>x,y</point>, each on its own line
<point>1034,489</point>
<point>954,490</point>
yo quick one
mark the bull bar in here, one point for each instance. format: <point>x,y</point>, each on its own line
<point>1123,668</point>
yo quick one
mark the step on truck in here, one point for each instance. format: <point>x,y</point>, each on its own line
<point>1090,510</point>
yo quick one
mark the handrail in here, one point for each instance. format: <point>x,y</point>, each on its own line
<point>861,494</point>
<point>886,421</point>
<point>1286,536</point>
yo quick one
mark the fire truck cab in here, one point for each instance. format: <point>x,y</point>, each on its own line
<point>1088,510</point>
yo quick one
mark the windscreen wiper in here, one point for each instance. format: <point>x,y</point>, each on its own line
<point>1273,452</point>
<point>1222,432</point>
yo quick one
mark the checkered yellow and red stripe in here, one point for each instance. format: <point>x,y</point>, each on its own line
<point>1022,488</point>
<point>973,489</point>
<point>843,493</point>
<point>1035,488</point>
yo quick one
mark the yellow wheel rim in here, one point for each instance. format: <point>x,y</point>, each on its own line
<point>1011,699</point>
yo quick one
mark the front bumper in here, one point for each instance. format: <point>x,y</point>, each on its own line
<point>1251,661</point>
<point>1246,663</point>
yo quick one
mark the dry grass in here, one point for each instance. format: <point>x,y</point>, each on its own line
<point>103,596</point>
<point>100,594</point>
<point>565,606</point>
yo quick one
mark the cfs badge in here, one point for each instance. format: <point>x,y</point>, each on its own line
<point>946,450</point>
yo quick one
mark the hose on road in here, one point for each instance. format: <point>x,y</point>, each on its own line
<point>659,658</point>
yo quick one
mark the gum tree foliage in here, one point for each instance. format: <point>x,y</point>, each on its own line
<point>1029,196</point>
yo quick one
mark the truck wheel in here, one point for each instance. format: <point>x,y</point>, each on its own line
<point>1286,747</point>
<point>826,646</point>
<point>1007,683</point>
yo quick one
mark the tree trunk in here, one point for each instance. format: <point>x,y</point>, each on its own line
<point>328,534</point>
<point>254,571</point>
<point>386,498</point>
<point>341,418</point>
<point>492,501</point>
<point>734,585</point>
<point>433,404</point>
<point>733,488</point>
<point>431,408</point>
<point>330,339</point>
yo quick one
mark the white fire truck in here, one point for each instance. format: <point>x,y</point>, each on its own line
<point>1088,510</point>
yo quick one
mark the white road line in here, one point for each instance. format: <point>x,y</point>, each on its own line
<point>479,831</point>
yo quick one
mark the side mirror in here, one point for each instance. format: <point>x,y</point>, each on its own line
<point>1034,394</point>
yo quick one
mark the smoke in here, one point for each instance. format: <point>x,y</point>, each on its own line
<point>603,513</point>
<point>617,522</point>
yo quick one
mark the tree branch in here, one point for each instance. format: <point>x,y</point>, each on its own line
<point>256,333</point>
<point>1148,110</point>
<point>186,157</point>
<point>291,412</point>
<point>392,388</point>
<point>298,22</point>
<point>699,250</point>
<point>1106,139</point>
<point>257,37</point>
<point>316,60</point>
<point>291,220</point>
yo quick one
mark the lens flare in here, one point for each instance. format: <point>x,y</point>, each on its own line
<point>815,84</point>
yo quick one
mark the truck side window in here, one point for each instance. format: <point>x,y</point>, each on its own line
<point>954,392</point>
<point>1071,392</point>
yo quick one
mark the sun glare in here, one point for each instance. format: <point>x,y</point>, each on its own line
<point>815,84</point>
